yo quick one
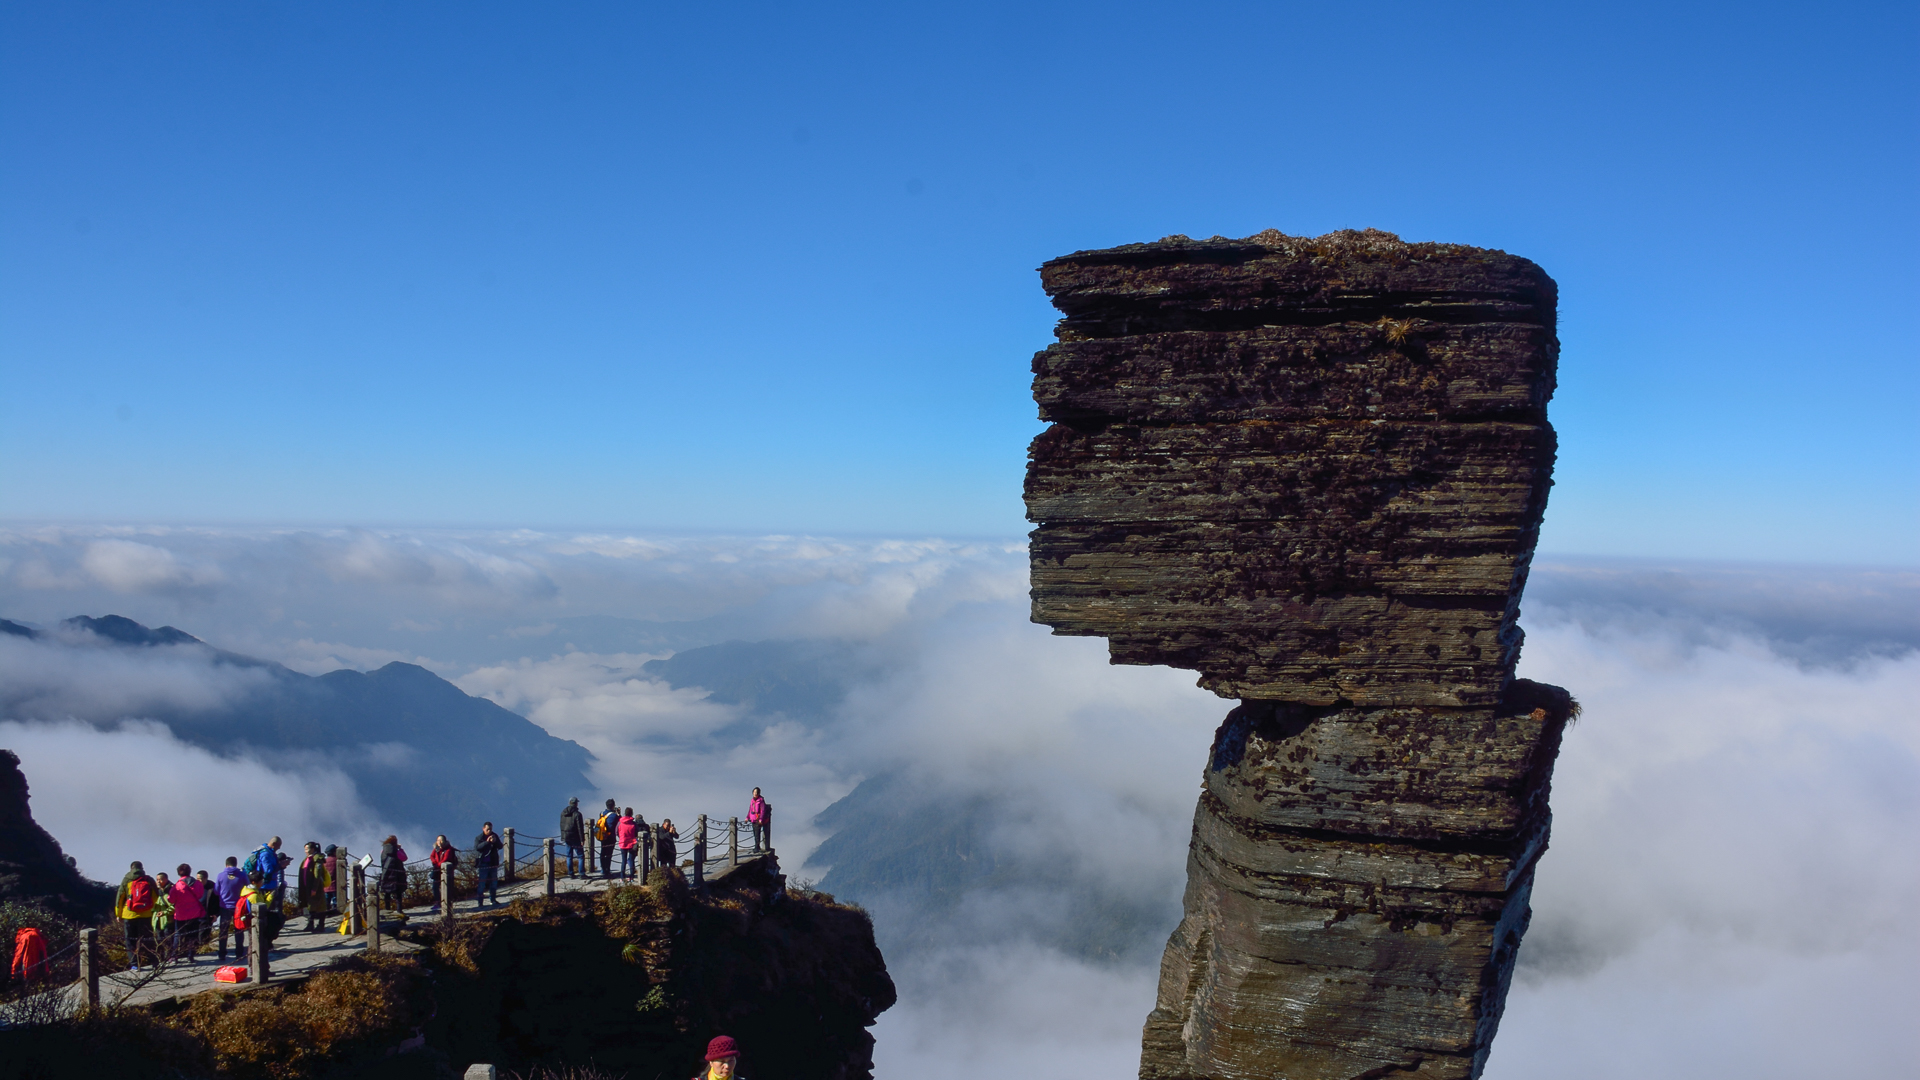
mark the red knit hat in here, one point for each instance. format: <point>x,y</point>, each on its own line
<point>721,1048</point>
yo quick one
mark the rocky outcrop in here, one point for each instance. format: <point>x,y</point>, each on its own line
<point>33,869</point>
<point>1314,470</point>
<point>636,980</point>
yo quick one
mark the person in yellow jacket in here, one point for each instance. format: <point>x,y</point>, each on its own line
<point>133,906</point>
<point>255,913</point>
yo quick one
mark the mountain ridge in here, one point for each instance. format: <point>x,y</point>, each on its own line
<point>422,752</point>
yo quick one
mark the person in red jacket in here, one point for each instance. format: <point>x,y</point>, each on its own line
<point>445,858</point>
<point>29,955</point>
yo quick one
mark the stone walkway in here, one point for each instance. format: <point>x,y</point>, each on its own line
<point>296,954</point>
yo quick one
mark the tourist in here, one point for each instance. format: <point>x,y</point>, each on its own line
<point>664,836</point>
<point>210,906</point>
<point>607,828</point>
<point>189,909</point>
<point>722,1058</point>
<point>393,876</point>
<point>29,955</point>
<point>228,886</point>
<point>133,906</point>
<point>444,860</point>
<point>333,878</point>
<point>162,917</point>
<point>573,829</point>
<point>252,914</point>
<point>759,814</point>
<point>267,861</point>
<point>486,862</point>
<point>628,837</point>
<point>313,887</point>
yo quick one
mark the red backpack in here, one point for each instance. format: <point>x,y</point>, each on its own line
<point>140,895</point>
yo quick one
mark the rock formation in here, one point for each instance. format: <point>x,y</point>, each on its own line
<point>1314,470</point>
<point>33,869</point>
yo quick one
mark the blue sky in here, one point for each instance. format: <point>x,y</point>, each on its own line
<point>764,269</point>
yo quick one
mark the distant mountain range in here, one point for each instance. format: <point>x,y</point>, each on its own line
<point>422,752</point>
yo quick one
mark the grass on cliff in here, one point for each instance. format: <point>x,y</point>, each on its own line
<point>361,1007</point>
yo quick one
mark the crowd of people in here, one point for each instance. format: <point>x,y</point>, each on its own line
<point>166,917</point>
<point>172,917</point>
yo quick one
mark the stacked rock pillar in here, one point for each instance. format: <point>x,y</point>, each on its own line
<point>1314,470</point>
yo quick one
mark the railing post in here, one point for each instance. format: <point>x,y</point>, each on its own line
<point>508,870</point>
<point>89,967</point>
<point>548,862</point>
<point>446,893</point>
<point>733,842</point>
<point>373,908</point>
<point>646,854</point>
<point>354,887</point>
<point>700,852</point>
<point>256,943</point>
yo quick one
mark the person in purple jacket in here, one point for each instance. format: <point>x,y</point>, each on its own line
<point>227,887</point>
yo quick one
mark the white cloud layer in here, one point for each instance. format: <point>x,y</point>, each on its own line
<point>1733,847</point>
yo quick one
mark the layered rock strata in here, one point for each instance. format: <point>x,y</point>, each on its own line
<point>1314,470</point>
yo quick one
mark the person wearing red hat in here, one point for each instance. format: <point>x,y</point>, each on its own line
<point>722,1057</point>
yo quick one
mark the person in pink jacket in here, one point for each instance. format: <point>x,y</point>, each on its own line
<point>189,912</point>
<point>760,816</point>
<point>627,836</point>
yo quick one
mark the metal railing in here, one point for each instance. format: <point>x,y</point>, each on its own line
<point>359,895</point>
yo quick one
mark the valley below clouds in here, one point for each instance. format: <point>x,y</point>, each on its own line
<point>1725,894</point>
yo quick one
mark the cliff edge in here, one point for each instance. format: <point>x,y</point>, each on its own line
<point>1314,470</point>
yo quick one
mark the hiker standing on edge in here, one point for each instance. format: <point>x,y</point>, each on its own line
<point>573,830</point>
<point>133,906</point>
<point>758,814</point>
<point>486,860</point>
<point>607,828</point>
<point>723,1057</point>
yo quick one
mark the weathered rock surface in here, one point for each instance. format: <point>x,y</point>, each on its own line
<point>1314,470</point>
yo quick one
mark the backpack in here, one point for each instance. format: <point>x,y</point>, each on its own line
<point>140,895</point>
<point>608,822</point>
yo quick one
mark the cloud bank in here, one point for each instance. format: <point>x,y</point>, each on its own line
<point>1734,814</point>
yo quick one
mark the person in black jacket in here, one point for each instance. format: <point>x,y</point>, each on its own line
<point>486,860</point>
<point>664,835</point>
<point>393,875</point>
<point>573,831</point>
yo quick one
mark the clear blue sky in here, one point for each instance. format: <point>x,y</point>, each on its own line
<point>770,267</point>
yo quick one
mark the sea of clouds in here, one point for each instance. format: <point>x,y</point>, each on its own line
<point>1734,814</point>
